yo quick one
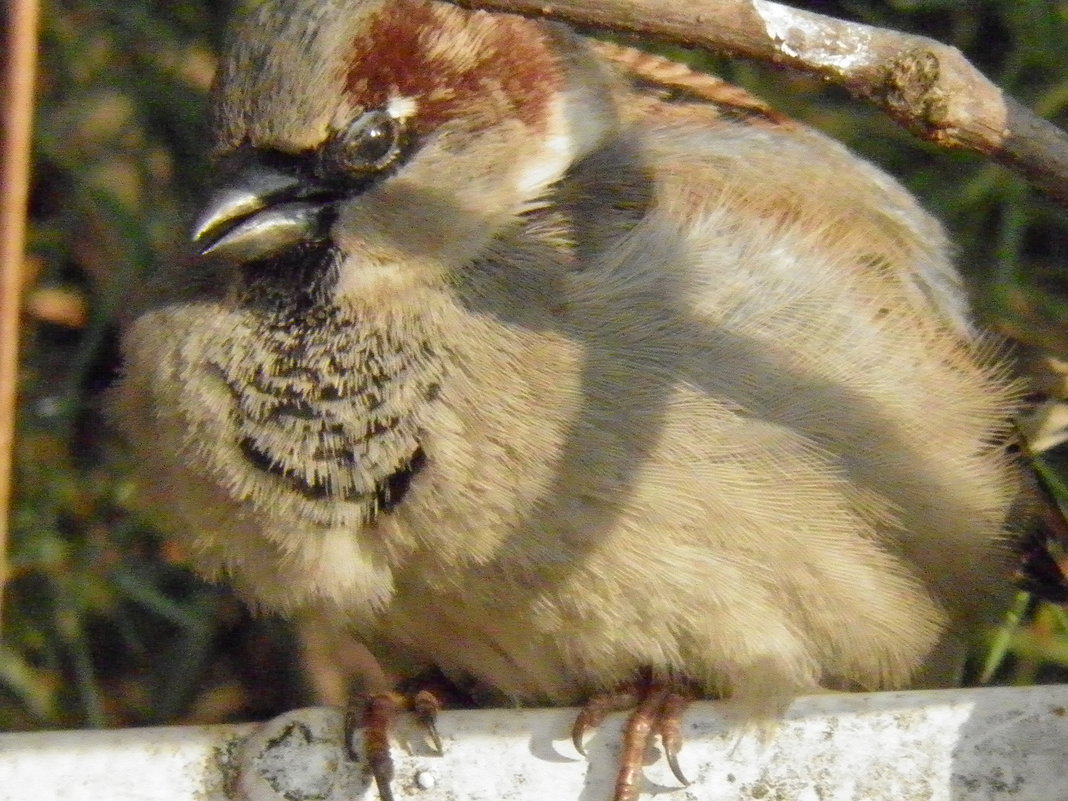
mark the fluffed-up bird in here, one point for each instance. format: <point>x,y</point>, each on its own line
<point>564,383</point>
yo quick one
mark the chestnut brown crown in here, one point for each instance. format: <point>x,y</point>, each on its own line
<point>469,115</point>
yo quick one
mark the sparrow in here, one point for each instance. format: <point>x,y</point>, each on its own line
<point>578,378</point>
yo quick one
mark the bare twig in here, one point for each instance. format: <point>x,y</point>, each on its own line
<point>21,48</point>
<point>927,86</point>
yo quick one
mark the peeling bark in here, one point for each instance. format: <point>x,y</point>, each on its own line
<point>926,86</point>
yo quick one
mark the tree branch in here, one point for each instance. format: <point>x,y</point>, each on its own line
<point>926,86</point>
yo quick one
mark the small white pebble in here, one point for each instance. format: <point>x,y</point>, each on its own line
<point>425,779</point>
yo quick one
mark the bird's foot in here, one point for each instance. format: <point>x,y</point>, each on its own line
<point>374,713</point>
<point>658,707</point>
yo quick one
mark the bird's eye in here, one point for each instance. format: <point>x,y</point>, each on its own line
<point>371,143</point>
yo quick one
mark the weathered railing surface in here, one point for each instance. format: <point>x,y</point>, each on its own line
<point>953,745</point>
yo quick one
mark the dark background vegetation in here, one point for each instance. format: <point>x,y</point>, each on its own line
<point>103,623</point>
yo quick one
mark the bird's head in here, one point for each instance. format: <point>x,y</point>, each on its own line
<point>398,135</point>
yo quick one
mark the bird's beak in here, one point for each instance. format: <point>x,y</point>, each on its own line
<point>260,213</point>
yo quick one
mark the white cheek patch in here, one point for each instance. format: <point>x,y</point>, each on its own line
<point>548,164</point>
<point>581,117</point>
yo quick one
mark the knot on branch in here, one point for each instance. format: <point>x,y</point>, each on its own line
<point>911,93</point>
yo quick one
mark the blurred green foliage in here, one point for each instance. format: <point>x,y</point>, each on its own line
<point>102,623</point>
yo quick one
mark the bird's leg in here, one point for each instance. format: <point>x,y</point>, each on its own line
<point>658,708</point>
<point>374,713</point>
<point>374,707</point>
<point>601,706</point>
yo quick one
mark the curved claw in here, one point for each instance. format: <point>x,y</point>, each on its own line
<point>672,758</point>
<point>669,726</point>
<point>598,708</point>
<point>576,740</point>
<point>579,729</point>
<point>426,705</point>
<point>657,709</point>
<point>435,739</point>
<point>374,713</point>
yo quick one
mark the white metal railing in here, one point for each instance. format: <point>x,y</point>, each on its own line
<point>949,745</point>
